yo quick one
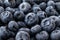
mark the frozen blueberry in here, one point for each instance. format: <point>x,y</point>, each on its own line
<point>2,2</point>
<point>13,26</point>
<point>19,15</point>
<point>25,6</point>
<point>6,16</point>
<point>10,9</point>
<point>41,15</point>
<point>31,19</point>
<point>55,18</point>
<point>43,35</point>
<point>51,3</point>
<point>36,29</point>
<point>21,24</point>
<point>42,5</point>
<point>51,11</point>
<point>3,32</point>
<point>57,6</point>
<point>22,35</point>
<point>1,9</point>
<point>9,3</point>
<point>48,24</point>
<point>55,35</point>
<point>36,8</point>
<point>25,29</point>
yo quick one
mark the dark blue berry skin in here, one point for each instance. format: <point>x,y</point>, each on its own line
<point>57,6</point>
<point>25,29</point>
<point>31,19</point>
<point>55,18</point>
<point>56,0</point>
<point>42,5</point>
<point>1,2</point>
<point>9,3</point>
<point>10,9</point>
<point>21,24</point>
<point>43,35</point>
<point>55,35</point>
<point>51,11</point>
<point>32,38</point>
<point>11,39</point>
<point>24,6</point>
<point>6,16</point>
<point>3,32</point>
<point>22,35</point>
<point>48,24</point>
<point>19,15</point>
<point>51,3</point>
<point>1,9</point>
<point>36,8</point>
<point>41,15</point>
<point>18,2</point>
<point>36,29</point>
<point>13,26</point>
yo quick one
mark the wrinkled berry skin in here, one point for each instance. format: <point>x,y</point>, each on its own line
<point>43,35</point>
<point>51,11</point>
<point>1,9</point>
<point>22,35</point>
<point>42,5</point>
<point>31,19</point>
<point>36,29</point>
<point>13,26</point>
<point>48,24</point>
<point>41,15</point>
<point>36,8</point>
<point>25,29</point>
<point>9,3</point>
<point>25,6</point>
<point>6,16</point>
<point>12,10</point>
<point>19,15</point>
<point>21,24</point>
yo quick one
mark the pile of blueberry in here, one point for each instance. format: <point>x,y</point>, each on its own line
<point>29,19</point>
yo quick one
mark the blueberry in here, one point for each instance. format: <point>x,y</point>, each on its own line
<point>21,24</point>
<point>25,29</point>
<point>43,35</point>
<point>48,24</point>
<point>56,0</point>
<point>1,2</point>
<point>51,11</point>
<point>25,6</point>
<point>51,3</point>
<point>6,16</point>
<point>9,3</point>
<point>31,19</point>
<point>55,35</point>
<point>36,8</point>
<point>41,15</point>
<point>10,9</point>
<point>3,32</point>
<point>42,5</point>
<point>13,26</point>
<point>22,35</point>
<point>19,15</point>
<point>57,6</point>
<point>55,18</point>
<point>36,29</point>
<point>1,9</point>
